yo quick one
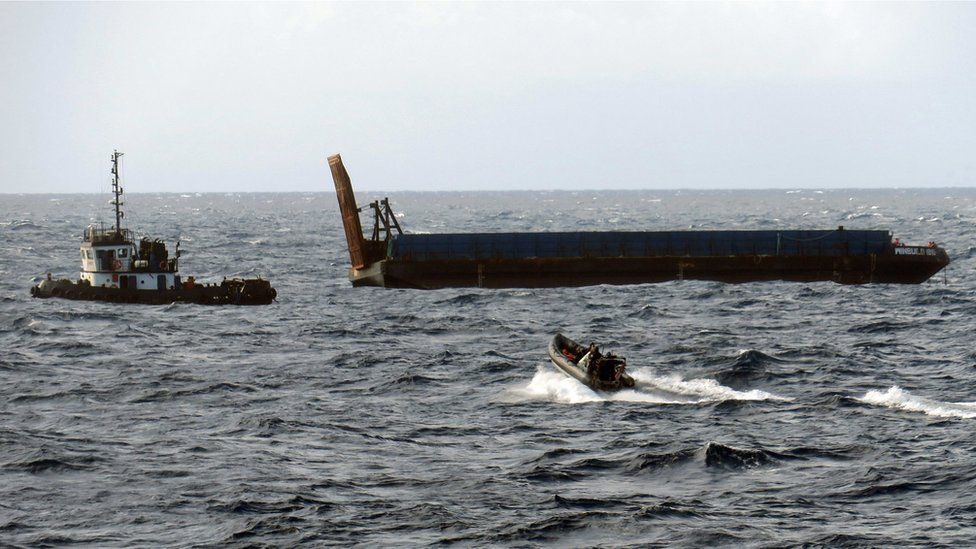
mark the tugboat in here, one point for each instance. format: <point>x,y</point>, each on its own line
<point>115,268</point>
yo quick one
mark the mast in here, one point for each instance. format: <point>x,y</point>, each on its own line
<point>117,190</point>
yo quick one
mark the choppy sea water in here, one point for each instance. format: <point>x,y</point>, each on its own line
<point>765,414</point>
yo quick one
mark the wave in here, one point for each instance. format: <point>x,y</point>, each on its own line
<point>650,312</point>
<point>669,509</point>
<point>853,540</point>
<point>248,506</point>
<point>551,385</point>
<point>406,379</point>
<point>166,394</point>
<point>881,326</point>
<point>48,464</point>
<point>729,457</point>
<point>749,367</point>
<point>548,529</point>
<point>574,464</point>
<point>650,461</point>
<point>900,399</point>
<point>20,225</point>
<point>466,298</point>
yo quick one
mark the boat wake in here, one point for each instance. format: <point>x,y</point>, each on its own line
<point>695,390</point>
<point>899,399</point>
<point>548,384</point>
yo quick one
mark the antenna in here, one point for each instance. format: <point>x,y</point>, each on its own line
<point>117,190</point>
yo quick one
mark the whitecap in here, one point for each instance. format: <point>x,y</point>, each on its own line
<point>550,384</point>
<point>899,399</point>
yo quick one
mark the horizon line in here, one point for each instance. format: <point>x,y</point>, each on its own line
<point>785,189</point>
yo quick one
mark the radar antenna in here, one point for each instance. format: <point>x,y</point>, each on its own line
<point>117,190</point>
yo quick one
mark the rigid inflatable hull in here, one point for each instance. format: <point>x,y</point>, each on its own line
<point>560,343</point>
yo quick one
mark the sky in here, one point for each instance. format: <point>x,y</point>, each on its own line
<point>470,96</point>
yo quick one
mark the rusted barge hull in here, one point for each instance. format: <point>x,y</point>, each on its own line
<point>544,260</point>
<point>570,272</point>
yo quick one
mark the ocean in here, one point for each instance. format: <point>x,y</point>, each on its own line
<point>765,414</point>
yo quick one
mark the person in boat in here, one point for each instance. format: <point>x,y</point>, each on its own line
<point>589,360</point>
<point>601,368</point>
<point>606,368</point>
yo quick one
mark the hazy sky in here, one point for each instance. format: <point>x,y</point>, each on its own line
<point>254,97</point>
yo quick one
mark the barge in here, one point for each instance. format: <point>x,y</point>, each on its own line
<point>115,268</point>
<point>392,258</point>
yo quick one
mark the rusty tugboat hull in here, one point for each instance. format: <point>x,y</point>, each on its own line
<point>548,259</point>
<point>253,291</point>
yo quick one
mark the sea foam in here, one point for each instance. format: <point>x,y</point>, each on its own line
<point>900,399</point>
<point>549,384</point>
<point>698,390</point>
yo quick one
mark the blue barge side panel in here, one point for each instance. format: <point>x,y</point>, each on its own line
<point>499,246</point>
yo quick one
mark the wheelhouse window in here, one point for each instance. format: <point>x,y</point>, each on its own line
<point>123,252</point>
